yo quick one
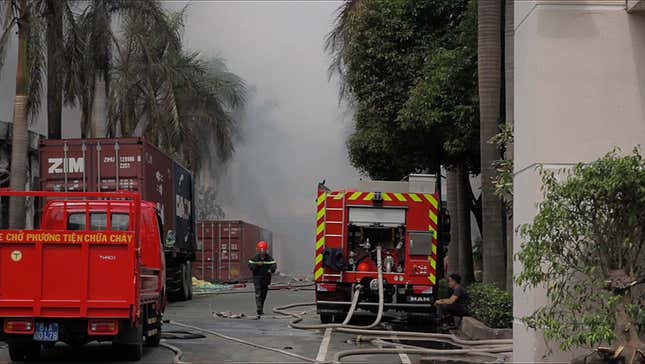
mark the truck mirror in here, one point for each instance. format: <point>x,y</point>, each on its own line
<point>171,238</point>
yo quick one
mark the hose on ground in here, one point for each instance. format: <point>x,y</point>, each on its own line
<point>468,347</point>
<point>448,340</point>
<point>411,335</point>
<point>352,309</point>
<point>422,351</point>
<point>245,342</point>
<point>487,348</point>
<point>178,353</point>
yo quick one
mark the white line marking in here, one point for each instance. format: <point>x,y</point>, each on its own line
<point>324,344</point>
<point>405,359</point>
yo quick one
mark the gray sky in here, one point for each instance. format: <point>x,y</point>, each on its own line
<point>294,130</point>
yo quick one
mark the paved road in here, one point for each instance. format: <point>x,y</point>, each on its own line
<point>270,331</point>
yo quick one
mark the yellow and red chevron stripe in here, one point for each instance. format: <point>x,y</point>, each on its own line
<point>320,234</point>
<point>388,196</point>
<point>433,226</point>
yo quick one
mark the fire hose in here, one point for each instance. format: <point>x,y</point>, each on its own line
<point>469,347</point>
<point>488,348</point>
<point>352,309</point>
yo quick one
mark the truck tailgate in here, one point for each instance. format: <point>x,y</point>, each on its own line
<point>45,273</point>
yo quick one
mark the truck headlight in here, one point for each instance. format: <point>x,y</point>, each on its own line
<point>374,285</point>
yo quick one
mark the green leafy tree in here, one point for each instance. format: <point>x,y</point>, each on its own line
<point>586,246</point>
<point>445,102</point>
<point>379,48</point>
<point>409,69</point>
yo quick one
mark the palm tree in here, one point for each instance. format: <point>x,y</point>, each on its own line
<point>335,44</point>
<point>63,54</point>
<point>451,194</point>
<point>489,51</point>
<point>509,59</point>
<point>23,14</point>
<point>465,247</point>
<point>171,96</point>
<point>91,86</point>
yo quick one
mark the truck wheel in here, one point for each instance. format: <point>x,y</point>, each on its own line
<point>154,339</point>
<point>132,351</point>
<point>326,318</point>
<point>189,280</point>
<point>339,318</point>
<point>24,351</point>
<point>185,282</point>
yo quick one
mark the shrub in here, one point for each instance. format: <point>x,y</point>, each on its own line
<point>443,291</point>
<point>491,305</point>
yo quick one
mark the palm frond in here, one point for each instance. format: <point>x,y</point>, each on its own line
<point>335,45</point>
<point>172,96</point>
<point>36,65</point>
<point>73,45</point>
<point>8,19</point>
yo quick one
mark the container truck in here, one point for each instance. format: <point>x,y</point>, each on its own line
<point>92,271</point>
<point>131,164</point>
<point>404,220</point>
<point>226,246</point>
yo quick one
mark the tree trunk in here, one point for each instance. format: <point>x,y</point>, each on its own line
<point>509,59</point>
<point>98,122</point>
<point>20,138</point>
<point>489,71</point>
<point>453,247</point>
<point>463,221</point>
<point>626,332</point>
<point>54,69</point>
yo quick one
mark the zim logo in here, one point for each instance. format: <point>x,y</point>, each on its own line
<point>66,165</point>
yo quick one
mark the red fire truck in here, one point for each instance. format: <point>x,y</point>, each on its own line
<point>93,271</point>
<point>351,224</point>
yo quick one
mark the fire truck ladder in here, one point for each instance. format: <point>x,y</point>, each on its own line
<point>340,222</point>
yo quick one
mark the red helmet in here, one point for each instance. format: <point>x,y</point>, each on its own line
<point>262,245</point>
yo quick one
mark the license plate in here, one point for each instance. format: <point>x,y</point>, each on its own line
<point>46,331</point>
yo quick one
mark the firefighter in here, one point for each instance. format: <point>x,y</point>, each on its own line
<point>262,265</point>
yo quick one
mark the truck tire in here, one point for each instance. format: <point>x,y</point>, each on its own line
<point>154,339</point>
<point>339,318</point>
<point>133,350</point>
<point>185,286</point>
<point>189,281</point>
<point>326,318</point>
<point>24,351</point>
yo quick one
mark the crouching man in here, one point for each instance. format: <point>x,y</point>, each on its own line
<point>456,304</point>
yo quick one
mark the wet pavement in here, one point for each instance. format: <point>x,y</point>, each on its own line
<point>272,330</point>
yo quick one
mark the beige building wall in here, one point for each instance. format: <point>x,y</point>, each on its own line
<point>579,92</point>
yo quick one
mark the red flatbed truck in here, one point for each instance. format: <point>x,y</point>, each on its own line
<point>93,271</point>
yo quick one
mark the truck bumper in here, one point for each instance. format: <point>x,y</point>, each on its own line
<point>343,306</point>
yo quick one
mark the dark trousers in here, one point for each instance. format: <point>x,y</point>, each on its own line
<point>453,309</point>
<point>261,284</point>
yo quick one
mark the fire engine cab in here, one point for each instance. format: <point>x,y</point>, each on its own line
<point>404,219</point>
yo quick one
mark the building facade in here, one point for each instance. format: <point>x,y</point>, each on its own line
<point>579,93</point>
